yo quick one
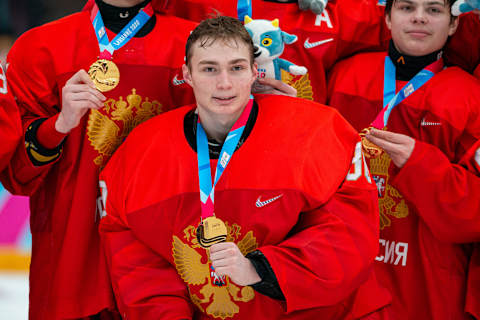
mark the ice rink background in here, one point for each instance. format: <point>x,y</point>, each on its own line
<point>15,247</point>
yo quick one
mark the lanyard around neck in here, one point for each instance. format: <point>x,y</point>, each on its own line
<point>244,8</point>
<point>207,190</point>
<point>390,99</point>
<point>107,48</point>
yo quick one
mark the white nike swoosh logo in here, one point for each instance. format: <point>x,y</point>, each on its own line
<point>429,123</point>
<point>310,45</point>
<point>261,204</point>
<point>177,82</point>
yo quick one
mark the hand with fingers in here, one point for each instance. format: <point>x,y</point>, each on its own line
<point>228,260</point>
<point>273,86</point>
<point>398,146</point>
<point>78,96</point>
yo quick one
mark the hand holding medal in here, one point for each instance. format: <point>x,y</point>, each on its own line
<point>390,101</point>
<point>104,72</point>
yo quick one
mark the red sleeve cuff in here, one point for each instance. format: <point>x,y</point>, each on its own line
<point>47,135</point>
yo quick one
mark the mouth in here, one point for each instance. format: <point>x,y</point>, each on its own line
<point>224,100</point>
<point>418,33</point>
<point>256,54</point>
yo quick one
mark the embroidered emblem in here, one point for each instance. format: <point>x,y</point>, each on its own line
<point>261,204</point>
<point>300,83</point>
<point>213,295</point>
<point>429,123</point>
<point>390,201</point>
<point>107,128</point>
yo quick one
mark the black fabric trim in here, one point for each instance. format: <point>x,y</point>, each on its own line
<point>269,285</point>
<point>214,148</point>
<point>407,68</point>
<point>35,150</point>
<point>112,17</point>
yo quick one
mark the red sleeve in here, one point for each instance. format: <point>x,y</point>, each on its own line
<point>333,246</point>
<point>463,48</point>
<point>476,73</point>
<point>10,127</point>
<point>473,284</point>
<point>446,196</point>
<point>146,285</point>
<point>47,135</point>
<point>31,79</point>
<point>362,27</point>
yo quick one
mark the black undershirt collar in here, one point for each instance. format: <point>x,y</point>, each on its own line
<point>214,148</point>
<point>408,66</point>
<point>115,18</point>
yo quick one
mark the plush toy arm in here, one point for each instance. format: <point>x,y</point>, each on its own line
<point>316,6</point>
<point>463,6</point>
<point>290,67</point>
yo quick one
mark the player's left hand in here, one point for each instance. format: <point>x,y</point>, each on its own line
<point>398,146</point>
<point>273,86</point>
<point>229,261</point>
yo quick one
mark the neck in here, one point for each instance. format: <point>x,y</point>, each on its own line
<point>408,66</point>
<point>217,127</point>
<point>123,3</point>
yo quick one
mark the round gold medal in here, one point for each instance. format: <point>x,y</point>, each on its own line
<point>370,149</point>
<point>104,74</point>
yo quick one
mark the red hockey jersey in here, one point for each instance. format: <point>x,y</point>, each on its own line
<point>68,276</point>
<point>10,127</point>
<point>291,190</point>
<point>422,220</point>
<point>344,28</point>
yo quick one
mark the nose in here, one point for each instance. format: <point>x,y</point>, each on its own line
<point>420,16</point>
<point>223,80</point>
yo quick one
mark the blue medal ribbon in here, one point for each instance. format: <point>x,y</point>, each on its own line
<point>127,33</point>
<point>204,171</point>
<point>390,99</point>
<point>244,8</point>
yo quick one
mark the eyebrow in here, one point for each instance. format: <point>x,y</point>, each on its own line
<point>430,3</point>
<point>240,60</point>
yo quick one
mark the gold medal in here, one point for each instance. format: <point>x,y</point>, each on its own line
<point>370,149</point>
<point>211,231</point>
<point>104,74</point>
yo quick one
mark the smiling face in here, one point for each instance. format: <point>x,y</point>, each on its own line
<point>221,74</point>
<point>420,27</point>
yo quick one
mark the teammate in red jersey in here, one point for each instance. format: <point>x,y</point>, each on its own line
<point>299,216</point>
<point>342,29</point>
<point>9,122</point>
<point>431,116</point>
<point>71,129</point>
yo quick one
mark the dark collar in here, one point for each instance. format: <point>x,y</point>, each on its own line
<point>214,148</point>
<point>408,66</point>
<point>115,18</point>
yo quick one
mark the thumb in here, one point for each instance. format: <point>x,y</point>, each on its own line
<point>81,77</point>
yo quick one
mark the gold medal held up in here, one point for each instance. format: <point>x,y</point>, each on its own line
<point>211,231</point>
<point>104,74</point>
<point>370,149</point>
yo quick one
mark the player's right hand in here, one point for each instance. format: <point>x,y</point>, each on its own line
<point>78,96</point>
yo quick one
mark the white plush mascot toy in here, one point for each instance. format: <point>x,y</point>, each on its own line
<point>463,6</point>
<point>268,43</point>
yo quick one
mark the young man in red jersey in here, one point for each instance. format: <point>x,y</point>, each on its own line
<point>431,119</point>
<point>9,122</point>
<point>289,230</point>
<point>71,129</point>
<point>342,29</point>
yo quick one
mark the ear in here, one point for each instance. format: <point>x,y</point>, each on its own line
<point>388,22</point>
<point>453,26</point>
<point>187,76</point>
<point>255,71</point>
<point>288,38</point>
<point>247,19</point>
<point>275,23</point>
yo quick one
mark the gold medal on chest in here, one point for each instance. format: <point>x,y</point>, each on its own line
<point>370,149</point>
<point>211,231</point>
<point>104,74</point>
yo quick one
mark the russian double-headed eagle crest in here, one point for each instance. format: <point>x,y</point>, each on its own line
<point>213,295</point>
<point>107,128</point>
<point>390,201</point>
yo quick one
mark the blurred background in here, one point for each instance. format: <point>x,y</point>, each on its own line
<point>16,17</point>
